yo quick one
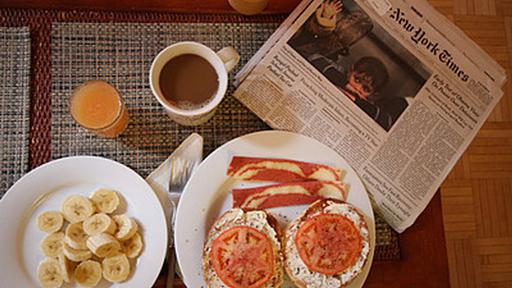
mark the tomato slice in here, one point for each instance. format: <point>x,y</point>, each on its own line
<point>328,243</point>
<point>243,257</point>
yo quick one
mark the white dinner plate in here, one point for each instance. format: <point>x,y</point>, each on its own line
<point>208,194</point>
<point>45,187</point>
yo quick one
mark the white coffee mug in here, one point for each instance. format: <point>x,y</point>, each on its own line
<point>223,62</point>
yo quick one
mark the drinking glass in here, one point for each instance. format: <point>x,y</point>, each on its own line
<point>98,107</point>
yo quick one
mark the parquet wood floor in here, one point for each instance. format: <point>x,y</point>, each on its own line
<point>477,195</point>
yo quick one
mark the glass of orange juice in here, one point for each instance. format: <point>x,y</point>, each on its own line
<point>98,106</point>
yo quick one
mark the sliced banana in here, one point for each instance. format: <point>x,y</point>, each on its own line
<point>100,244</point>
<point>66,267</point>
<point>103,245</point>
<point>133,246</point>
<point>51,246</point>
<point>49,273</point>
<point>88,273</point>
<point>76,255</point>
<point>77,208</point>
<point>99,223</point>
<point>105,200</point>
<point>116,269</point>
<point>75,236</point>
<point>96,258</point>
<point>127,227</point>
<point>50,221</point>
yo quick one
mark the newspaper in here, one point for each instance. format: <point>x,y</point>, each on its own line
<point>391,85</point>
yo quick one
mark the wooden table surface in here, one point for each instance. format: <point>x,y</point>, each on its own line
<point>189,6</point>
<point>424,259</point>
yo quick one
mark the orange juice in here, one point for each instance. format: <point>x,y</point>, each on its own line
<point>98,106</point>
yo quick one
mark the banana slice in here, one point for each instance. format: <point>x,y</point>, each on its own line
<point>103,245</point>
<point>49,273</point>
<point>96,258</point>
<point>76,208</point>
<point>66,267</point>
<point>75,236</point>
<point>133,246</point>
<point>105,200</point>
<point>127,227</point>
<point>51,246</point>
<point>76,255</point>
<point>116,269</point>
<point>50,221</point>
<point>88,273</point>
<point>99,223</point>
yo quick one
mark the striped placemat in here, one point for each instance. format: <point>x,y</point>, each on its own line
<point>121,53</point>
<point>14,104</point>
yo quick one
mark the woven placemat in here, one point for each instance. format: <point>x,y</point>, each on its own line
<point>121,53</point>
<point>14,104</point>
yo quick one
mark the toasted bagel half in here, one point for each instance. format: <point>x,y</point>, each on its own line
<point>327,246</point>
<point>243,249</point>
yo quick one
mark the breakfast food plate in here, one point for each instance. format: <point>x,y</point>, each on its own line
<point>46,187</point>
<point>208,195</point>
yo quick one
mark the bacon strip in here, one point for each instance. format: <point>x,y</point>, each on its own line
<point>280,170</point>
<point>288,194</point>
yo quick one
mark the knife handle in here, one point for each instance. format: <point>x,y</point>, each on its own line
<point>171,262</point>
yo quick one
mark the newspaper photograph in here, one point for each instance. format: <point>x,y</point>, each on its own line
<point>361,59</point>
<point>398,97</point>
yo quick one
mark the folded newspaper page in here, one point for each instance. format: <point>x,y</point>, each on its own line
<point>391,85</point>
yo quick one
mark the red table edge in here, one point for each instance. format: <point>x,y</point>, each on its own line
<point>424,259</point>
<point>189,6</point>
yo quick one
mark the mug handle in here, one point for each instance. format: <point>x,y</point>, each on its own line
<point>229,56</point>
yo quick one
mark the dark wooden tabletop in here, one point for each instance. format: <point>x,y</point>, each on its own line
<point>190,6</point>
<point>424,259</point>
